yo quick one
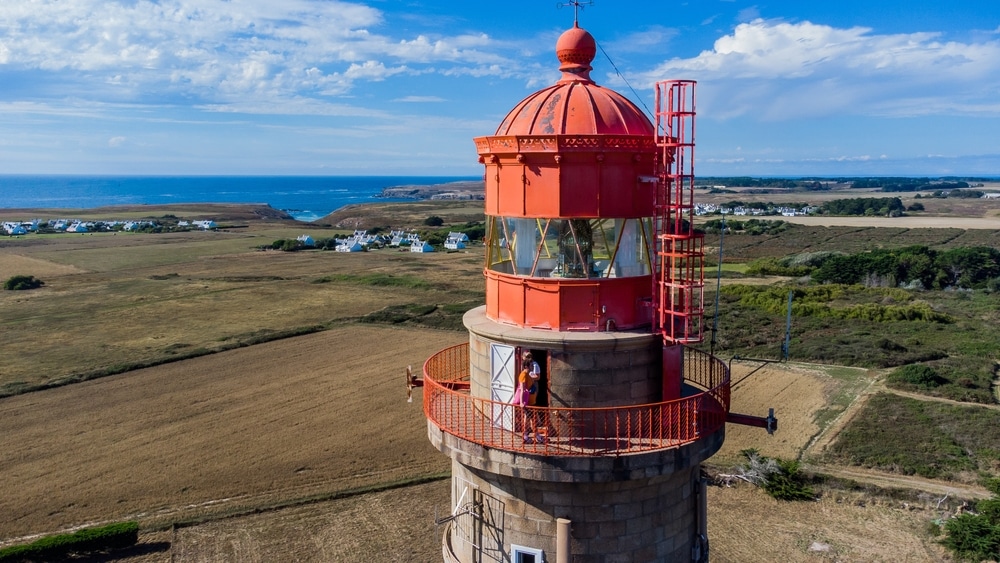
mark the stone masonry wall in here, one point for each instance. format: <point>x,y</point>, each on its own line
<point>625,521</point>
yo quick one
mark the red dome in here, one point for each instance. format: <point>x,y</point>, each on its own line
<point>575,105</point>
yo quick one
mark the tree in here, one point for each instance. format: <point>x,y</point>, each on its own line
<point>434,221</point>
<point>17,283</point>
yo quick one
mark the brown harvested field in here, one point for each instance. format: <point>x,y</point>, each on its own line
<point>796,394</point>
<point>745,526</point>
<point>390,526</point>
<point>287,419</point>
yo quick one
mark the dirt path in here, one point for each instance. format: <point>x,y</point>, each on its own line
<point>928,398</point>
<point>896,481</point>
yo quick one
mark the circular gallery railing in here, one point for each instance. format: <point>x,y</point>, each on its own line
<point>558,431</point>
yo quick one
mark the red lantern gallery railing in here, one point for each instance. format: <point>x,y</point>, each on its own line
<point>557,431</point>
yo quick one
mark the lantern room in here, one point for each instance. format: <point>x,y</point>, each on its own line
<point>570,189</point>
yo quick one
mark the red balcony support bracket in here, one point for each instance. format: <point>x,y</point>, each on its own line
<point>770,423</point>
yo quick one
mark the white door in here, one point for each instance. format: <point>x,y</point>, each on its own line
<point>503,363</point>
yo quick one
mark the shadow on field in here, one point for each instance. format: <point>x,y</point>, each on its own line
<point>138,550</point>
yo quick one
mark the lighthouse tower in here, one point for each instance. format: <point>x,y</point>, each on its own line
<point>592,266</point>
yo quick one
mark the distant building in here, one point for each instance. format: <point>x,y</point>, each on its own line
<point>421,246</point>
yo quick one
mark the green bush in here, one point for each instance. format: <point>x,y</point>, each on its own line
<point>58,547</point>
<point>971,536</point>
<point>990,508</point>
<point>434,221</point>
<point>17,283</point>
<point>917,374</point>
<point>789,483</point>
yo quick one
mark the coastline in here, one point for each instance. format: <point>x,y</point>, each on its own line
<point>306,198</point>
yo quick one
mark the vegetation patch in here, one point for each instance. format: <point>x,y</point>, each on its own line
<point>911,437</point>
<point>960,379</point>
<point>376,280</point>
<point>447,316</point>
<point>918,267</point>
<point>20,283</point>
<point>870,206</point>
<point>86,541</point>
<point>838,301</point>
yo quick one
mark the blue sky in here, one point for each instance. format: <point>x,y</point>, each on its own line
<point>400,87</point>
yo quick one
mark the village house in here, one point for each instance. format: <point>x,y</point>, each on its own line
<point>421,246</point>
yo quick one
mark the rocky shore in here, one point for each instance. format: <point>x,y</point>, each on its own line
<point>464,190</point>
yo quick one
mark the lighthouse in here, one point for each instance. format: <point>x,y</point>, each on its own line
<point>594,269</point>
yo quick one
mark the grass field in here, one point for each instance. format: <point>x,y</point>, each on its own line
<point>108,304</point>
<point>218,429</point>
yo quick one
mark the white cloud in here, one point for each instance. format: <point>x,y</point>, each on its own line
<point>420,99</point>
<point>116,141</point>
<point>219,51</point>
<point>780,70</point>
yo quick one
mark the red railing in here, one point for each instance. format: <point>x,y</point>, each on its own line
<point>575,431</point>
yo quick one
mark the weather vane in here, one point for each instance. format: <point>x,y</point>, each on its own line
<point>577,6</point>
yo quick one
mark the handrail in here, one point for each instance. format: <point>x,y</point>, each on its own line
<point>591,431</point>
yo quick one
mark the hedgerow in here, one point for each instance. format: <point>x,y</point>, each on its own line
<point>113,536</point>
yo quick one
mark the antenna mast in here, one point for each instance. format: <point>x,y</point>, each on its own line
<point>577,6</point>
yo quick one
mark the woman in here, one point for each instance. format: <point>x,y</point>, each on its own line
<point>523,396</point>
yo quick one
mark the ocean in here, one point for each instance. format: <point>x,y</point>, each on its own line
<point>306,198</point>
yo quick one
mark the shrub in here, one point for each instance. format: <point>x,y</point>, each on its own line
<point>779,478</point>
<point>17,283</point>
<point>434,221</point>
<point>917,374</point>
<point>971,536</point>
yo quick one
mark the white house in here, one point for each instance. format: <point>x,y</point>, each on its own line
<point>461,237</point>
<point>306,240</point>
<point>205,225</point>
<point>421,246</point>
<point>350,245</point>
<point>14,229</point>
<point>455,243</point>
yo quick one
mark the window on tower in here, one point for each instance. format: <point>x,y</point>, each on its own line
<point>569,248</point>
